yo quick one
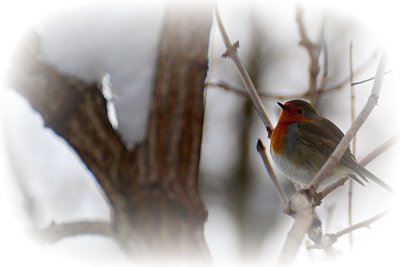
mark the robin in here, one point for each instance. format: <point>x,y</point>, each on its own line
<point>302,142</point>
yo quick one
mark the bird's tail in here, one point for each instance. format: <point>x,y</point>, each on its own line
<point>370,175</point>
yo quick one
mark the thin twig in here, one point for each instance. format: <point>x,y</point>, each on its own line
<point>56,232</point>
<point>272,175</point>
<point>313,51</point>
<point>358,70</point>
<point>329,239</point>
<point>353,117</point>
<point>232,53</point>
<point>359,225</point>
<point>379,150</point>
<point>318,93</point>
<point>324,78</point>
<point>362,117</point>
<point>329,189</point>
<point>240,92</point>
<point>369,79</point>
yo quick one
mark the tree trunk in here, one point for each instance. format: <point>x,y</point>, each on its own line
<point>165,209</point>
<point>152,189</point>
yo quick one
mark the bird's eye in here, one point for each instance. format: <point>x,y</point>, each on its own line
<point>300,111</point>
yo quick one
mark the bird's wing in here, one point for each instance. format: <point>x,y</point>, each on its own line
<point>324,135</point>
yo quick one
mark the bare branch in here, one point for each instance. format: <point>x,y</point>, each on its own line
<point>359,225</point>
<point>369,79</point>
<point>303,217</point>
<point>379,150</point>
<point>232,53</point>
<point>321,91</point>
<point>342,146</point>
<point>329,239</point>
<point>324,78</point>
<point>56,232</point>
<point>329,189</point>
<point>358,70</point>
<point>313,51</point>
<point>147,179</point>
<point>229,88</point>
<point>272,175</point>
<point>74,109</point>
<point>243,93</point>
<point>353,117</point>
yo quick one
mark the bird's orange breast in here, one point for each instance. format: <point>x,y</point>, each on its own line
<point>278,137</point>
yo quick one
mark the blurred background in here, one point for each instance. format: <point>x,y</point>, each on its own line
<point>116,42</point>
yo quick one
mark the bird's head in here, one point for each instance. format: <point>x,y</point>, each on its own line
<point>297,110</point>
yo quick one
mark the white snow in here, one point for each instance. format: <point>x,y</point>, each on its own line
<point>119,40</point>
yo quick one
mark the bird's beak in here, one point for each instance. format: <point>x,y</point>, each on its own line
<point>281,105</point>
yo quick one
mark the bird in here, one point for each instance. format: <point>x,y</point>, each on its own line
<point>302,142</point>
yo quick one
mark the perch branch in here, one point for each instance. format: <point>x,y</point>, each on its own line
<point>302,212</point>
<point>342,146</point>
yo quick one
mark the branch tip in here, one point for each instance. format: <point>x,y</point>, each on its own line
<point>231,50</point>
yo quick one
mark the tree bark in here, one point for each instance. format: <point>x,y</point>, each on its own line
<point>152,189</point>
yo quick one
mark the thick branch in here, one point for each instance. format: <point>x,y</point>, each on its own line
<point>73,109</point>
<point>166,212</point>
<point>153,190</point>
<point>302,211</point>
<point>344,143</point>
